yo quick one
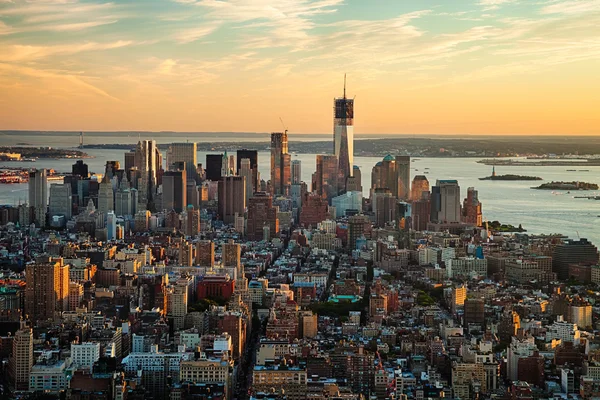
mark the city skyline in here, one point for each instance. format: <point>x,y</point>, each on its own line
<point>468,67</point>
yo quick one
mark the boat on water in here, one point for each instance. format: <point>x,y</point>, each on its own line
<point>29,159</point>
<point>571,170</point>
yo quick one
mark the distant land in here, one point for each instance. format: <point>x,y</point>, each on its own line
<point>567,186</point>
<point>510,177</point>
<point>488,146</point>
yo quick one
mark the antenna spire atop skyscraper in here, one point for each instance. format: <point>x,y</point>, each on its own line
<point>344,85</point>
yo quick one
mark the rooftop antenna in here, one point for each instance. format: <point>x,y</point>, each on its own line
<point>344,86</point>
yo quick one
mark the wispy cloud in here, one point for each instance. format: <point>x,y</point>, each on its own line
<point>77,81</point>
<point>193,34</point>
<point>572,7</point>
<point>20,53</point>
<point>494,4</point>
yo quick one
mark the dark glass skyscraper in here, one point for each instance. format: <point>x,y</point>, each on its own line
<point>252,155</point>
<point>280,163</point>
<point>214,163</point>
<point>343,136</point>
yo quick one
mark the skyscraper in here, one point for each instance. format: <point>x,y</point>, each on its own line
<point>232,197</point>
<point>420,184</point>
<point>111,225</point>
<point>80,168</point>
<point>296,172</point>
<point>385,176</point>
<point>106,199</point>
<point>403,165</point>
<point>445,201</point>
<point>147,160</point>
<point>343,136</point>
<point>174,188</point>
<point>252,155</point>
<point>192,221</point>
<point>214,163</point>
<point>47,289</point>
<point>184,152</point>
<point>124,204</point>
<point>472,208</point>
<point>61,200</point>
<point>261,213</point>
<point>573,252</point>
<point>21,360</point>
<point>38,195</point>
<point>326,176</point>
<point>205,253</point>
<point>225,169</point>
<point>280,163</point>
<point>247,172</point>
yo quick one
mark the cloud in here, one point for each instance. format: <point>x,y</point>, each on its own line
<point>494,4</point>
<point>76,81</point>
<point>572,7</point>
<point>22,53</point>
<point>193,34</point>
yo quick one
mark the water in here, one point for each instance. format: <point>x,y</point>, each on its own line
<point>510,202</point>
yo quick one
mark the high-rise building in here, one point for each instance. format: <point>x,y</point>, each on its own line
<point>80,168</point>
<point>421,212</point>
<point>296,172</point>
<point>38,195</point>
<point>343,136</point>
<point>61,200</point>
<point>261,212</point>
<point>445,202</point>
<point>356,228</point>
<point>403,165</point>
<point>187,153</point>
<point>232,197</point>
<point>573,252</point>
<point>177,303</point>
<point>247,172</point>
<point>214,163</point>
<point>192,221</point>
<point>354,182</point>
<point>205,253</point>
<point>385,176</point>
<point>231,254</point>
<point>111,169</point>
<point>420,184</point>
<point>280,163</point>
<point>225,168</point>
<point>251,155</point>
<point>148,161</point>
<point>111,225</point>
<point>385,210</point>
<point>459,295</point>
<point>124,203</point>
<point>325,178</point>
<point>21,360</point>
<point>47,289</point>
<point>471,211</point>
<point>106,199</point>
<point>175,188</point>
<point>129,160</point>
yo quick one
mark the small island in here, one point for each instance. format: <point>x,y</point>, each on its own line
<point>496,226</point>
<point>511,177</point>
<point>575,185</point>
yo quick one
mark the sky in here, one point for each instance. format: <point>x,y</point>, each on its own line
<point>468,67</point>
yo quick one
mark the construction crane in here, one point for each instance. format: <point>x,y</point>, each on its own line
<point>283,124</point>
